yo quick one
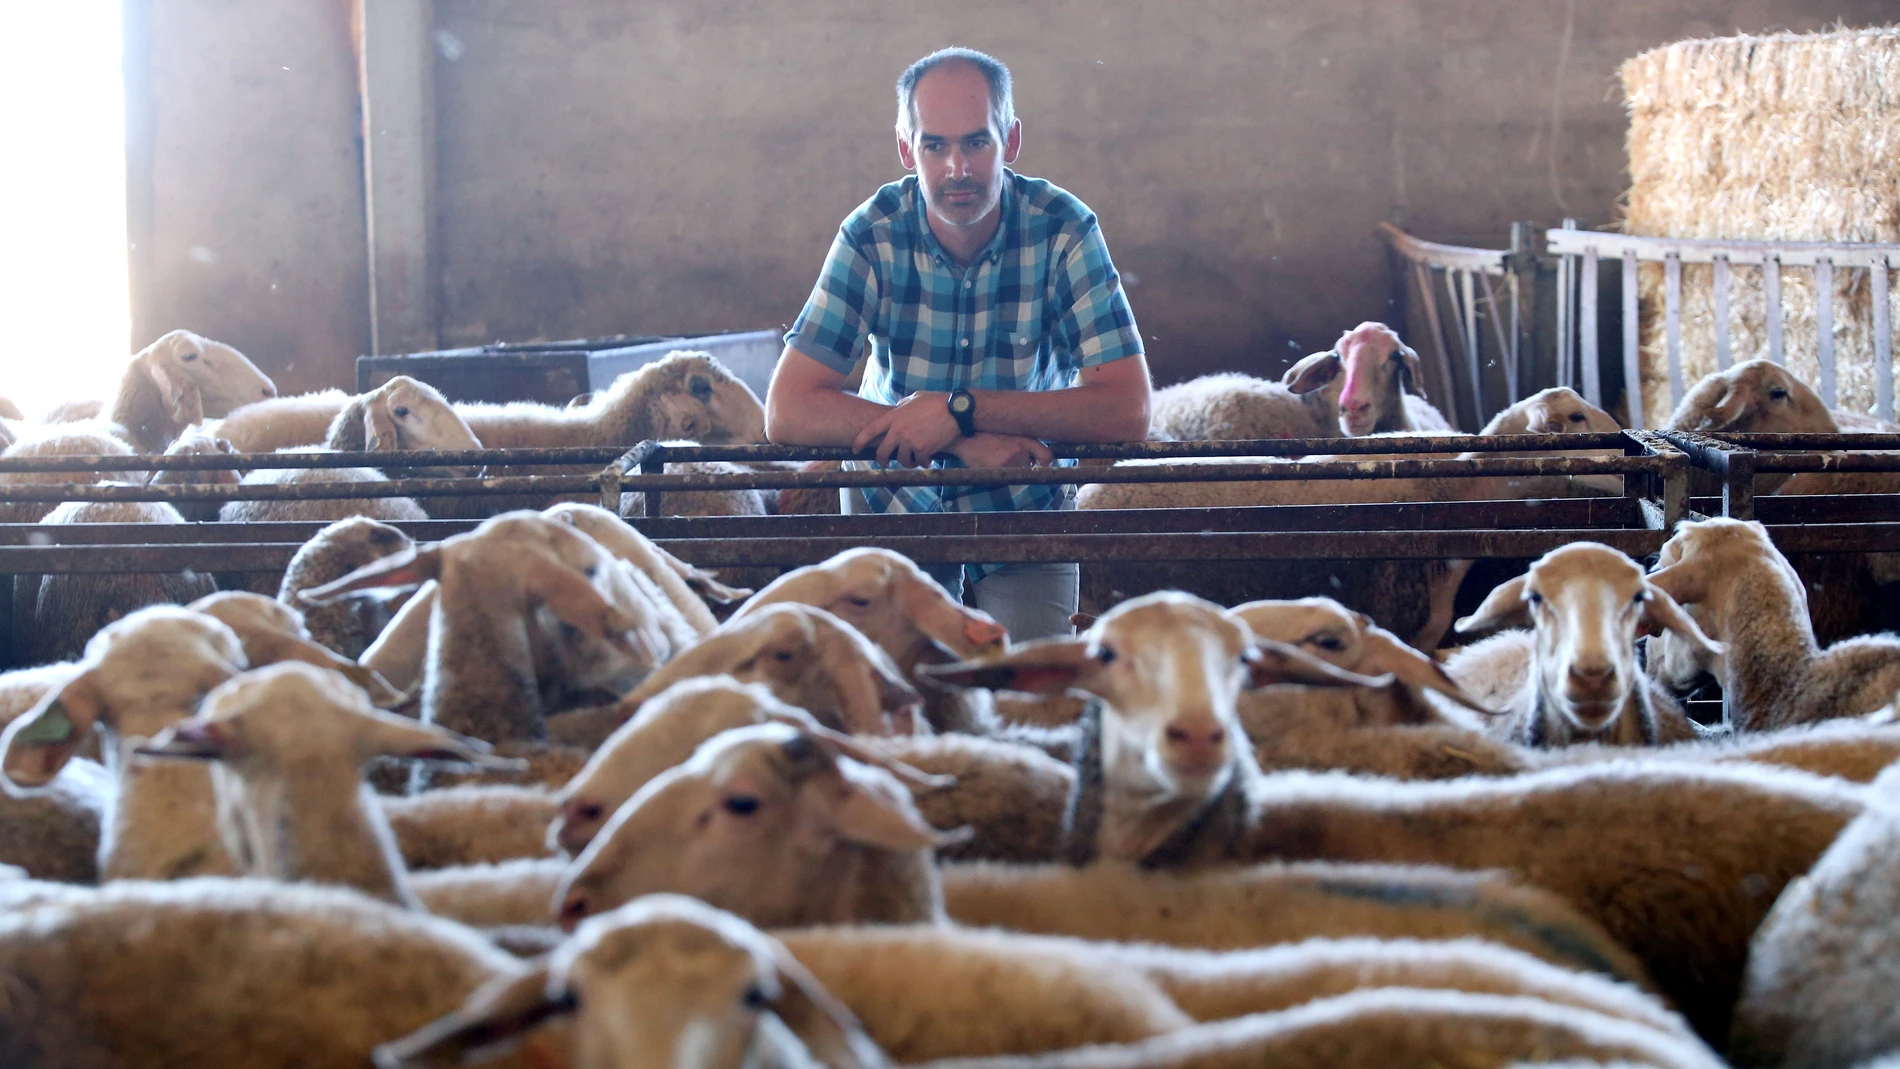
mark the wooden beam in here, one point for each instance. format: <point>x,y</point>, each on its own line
<point>396,62</point>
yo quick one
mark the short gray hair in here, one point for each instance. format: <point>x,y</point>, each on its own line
<point>1002,98</point>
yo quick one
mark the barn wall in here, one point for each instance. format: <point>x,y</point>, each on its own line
<point>680,165</point>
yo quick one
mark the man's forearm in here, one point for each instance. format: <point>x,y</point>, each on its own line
<point>819,417</point>
<point>1091,412</point>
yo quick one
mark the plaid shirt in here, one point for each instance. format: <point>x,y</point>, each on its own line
<point>1039,303</point>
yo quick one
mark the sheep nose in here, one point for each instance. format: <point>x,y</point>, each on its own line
<point>1196,746</point>
<point>578,821</point>
<point>270,391</point>
<point>1591,675</point>
<point>1355,407</point>
<point>573,911</point>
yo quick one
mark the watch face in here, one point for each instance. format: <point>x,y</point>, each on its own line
<point>961,402</point>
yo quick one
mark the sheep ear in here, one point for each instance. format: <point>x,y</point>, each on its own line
<point>1385,653</point>
<point>1269,662</point>
<point>1539,420</point>
<point>389,735</point>
<point>1729,408</point>
<point>842,807</point>
<point>1660,610</point>
<point>1313,372</point>
<point>202,740</point>
<point>706,585</point>
<point>573,599</point>
<point>490,1023</point>
<point>843,745</point>
<point>1502,606</point>
<point>1082,621</point>
<point>1409,374</point>
<point>182,400</point>
<point>826,1027</point>
<point>1048,666</point>
<point>379,428</point>
<point>40,742</point>
<point>1687,581</point>
<point>855,683</point>
<point>381,692</point>
<point>410,567</point>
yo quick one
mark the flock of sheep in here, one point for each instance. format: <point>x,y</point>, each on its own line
<point>542,794</point>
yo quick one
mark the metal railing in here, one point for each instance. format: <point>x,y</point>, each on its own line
<point>1583,251</point>
<point>1483,295</point>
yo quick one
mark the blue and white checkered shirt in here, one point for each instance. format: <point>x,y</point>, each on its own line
<point>1042,301</point>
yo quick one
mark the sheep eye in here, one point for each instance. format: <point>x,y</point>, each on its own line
<point>591,570</point>
<point>754,998</point>
<point>189,357</point>
<point>1329,642</point>
<point>860,602</point>
<point>1536,598</point>
<point>782,656</point>
<point>742,805</point>
<point>1106,655</point>
<point>1777,394</point>
<point>402,411</point>
<point>1576,417</point>
<point>1641,596</point>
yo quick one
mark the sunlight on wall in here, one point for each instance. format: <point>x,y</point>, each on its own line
<point>63,289</point>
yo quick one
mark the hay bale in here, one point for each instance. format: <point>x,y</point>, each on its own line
<point>1790,137</point>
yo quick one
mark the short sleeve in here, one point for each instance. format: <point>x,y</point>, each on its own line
<point>1093,321</point>
<point>837,317</point>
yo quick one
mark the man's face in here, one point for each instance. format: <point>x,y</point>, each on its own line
<point>956,149</point>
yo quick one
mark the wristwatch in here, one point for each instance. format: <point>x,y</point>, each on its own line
<point>963,409</point>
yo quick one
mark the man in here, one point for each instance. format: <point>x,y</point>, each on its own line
<point>995,319</point>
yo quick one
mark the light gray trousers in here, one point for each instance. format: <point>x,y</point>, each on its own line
<point>1031,600</point>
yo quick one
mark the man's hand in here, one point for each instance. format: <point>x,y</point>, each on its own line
<point>985,450</point>
<point>914,429</point>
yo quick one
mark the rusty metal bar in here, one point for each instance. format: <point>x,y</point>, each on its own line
<point>424,458</point>
<point>325,491</point>
<point>1785,463</point>
<point>1266,447</point>
<point>1768,440</point>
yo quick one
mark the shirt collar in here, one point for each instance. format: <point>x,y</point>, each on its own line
<point>998,242</point>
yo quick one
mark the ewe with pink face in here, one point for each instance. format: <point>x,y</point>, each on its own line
<point>1384,388</point>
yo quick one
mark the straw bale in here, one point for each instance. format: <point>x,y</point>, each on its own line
<point>1788,137</point>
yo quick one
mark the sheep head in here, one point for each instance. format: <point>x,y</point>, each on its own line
<point>761,821</point>
<point>1350,640</point>
<point>1379,370</point>
<point>695,397</point>
<point>887,596</point>
<point>272,632</point>
<point>197,377</point>
<point>1699,566</point>
<point>1557,410</point>
<point>1587,604</point>
<point>1759,396</point>
<point>138,675</point>
<point>1169,668</point>
<point>664,980</point>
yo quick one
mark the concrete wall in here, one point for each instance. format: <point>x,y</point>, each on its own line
<point>681,165</point>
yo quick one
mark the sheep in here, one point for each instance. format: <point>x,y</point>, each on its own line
<point>888,597</point>
<point>1817,990</point>
<point>402,415</point>
<point>1009,795</point>
<point>289,742</point>
<point>526,611</point>
<point>1586,602</point>
<point>1381,1027</point>
<point>1414,599</point>
<point>53,833</point>
<point>686,395</point>
<point>70,608</point>
<point>74,411</point>
<point>1303,403</point>
<point>1384,389</point>
<point>471,825</point>
<point>71,440</point>
<point>682,583</point>
<point>865,859</point>
<point>666,732</point>
<point>177,381</point>
<point>1159,781</point>
<point>22,688</point>
<point>194,443</point>
<point>217,972</point>
<point>332,553</point>
<point>1758,396</point>
<point>809,658</point>
<point>324,509</point>
<point>272,632</point>
<point>823,820</point>
<point>664,981</point>
<point>1393,731</point>
<point>137,676</point>
<point>283,422</point>
<point>1746,594</point>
